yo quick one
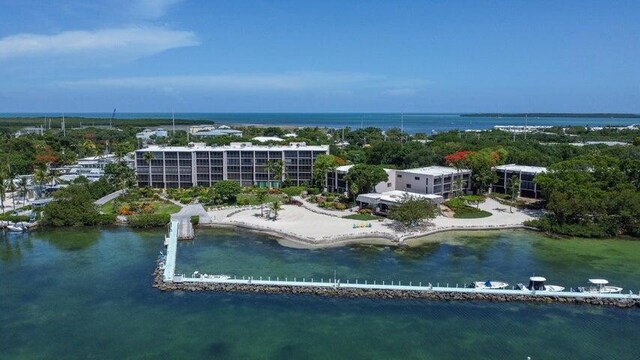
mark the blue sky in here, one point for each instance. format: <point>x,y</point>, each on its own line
<point>319,56</point>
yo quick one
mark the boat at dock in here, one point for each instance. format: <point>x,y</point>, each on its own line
<point>16,228</point>
<point>483,285</point>
<point>197,274</point>
<point>537,283</point>
<point>600,286</point>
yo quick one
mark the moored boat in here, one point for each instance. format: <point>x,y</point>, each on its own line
<point>16,228</point>
<point>537,283</point>
<point>489,284</point>
<point>600,286</point>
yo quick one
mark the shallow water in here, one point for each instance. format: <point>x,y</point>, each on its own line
<point>88,294</point>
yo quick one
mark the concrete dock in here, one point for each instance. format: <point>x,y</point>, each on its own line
<point>336,287</point>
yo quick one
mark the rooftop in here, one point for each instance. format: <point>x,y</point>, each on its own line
<point>267,138</point>
<point>235,146</point>
<point>522,168</point>
<point>395,196</point>
<point>434,170</point>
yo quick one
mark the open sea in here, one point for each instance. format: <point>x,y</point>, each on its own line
<point>412,123</point>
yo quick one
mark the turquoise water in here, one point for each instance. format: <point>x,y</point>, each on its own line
<point>412,122</point>
<point>87,294</point>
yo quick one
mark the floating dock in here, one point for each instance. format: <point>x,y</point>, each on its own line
<point>166,279</point>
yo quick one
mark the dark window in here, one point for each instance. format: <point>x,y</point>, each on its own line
<point>408,186</point>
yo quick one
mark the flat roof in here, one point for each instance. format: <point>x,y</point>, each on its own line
<point>434,170</point>
<point>267,138</point>
<point>395,196</point>
<point>522,168</point>
<point>236,147</point>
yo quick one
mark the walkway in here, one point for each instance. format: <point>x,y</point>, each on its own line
<point>105,199</point>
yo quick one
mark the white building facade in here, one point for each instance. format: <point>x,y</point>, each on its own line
<point>439,180</point>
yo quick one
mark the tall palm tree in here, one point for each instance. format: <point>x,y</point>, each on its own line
<point>276,168</point>
<point>40,178</point>
<point>53,175</point>
<point>261,196</point>
<point>457,183</point>
<point>514,186</point>
<point>12,188</point>
<point>3,190</point>
<point>23,185</point>
<point>147,158</point>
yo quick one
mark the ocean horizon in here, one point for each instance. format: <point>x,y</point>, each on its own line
<point>409,122</point>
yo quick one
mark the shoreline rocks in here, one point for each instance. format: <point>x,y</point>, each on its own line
<point>386,294</point>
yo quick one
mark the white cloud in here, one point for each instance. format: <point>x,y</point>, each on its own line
<point>152,9</point>
<point>291,81</point>
<point>129,43</point>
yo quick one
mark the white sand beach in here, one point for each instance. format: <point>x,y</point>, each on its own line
<point>314,229</point>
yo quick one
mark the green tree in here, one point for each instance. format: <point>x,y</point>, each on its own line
<point>261,197</point>
<point>226,191</point>
<point>275,170</point>
<point>321,167</point>
<point>3,189</point>
<point>475,200</point>
<point>412,211</point>
<point>147,156</point>
<point>119,175</point>
<point>72,206</point>
<point>23,186</point>
<point>366,177</point>
<point>40,178</point>
<point>276,206</point>
<point>514,189</point>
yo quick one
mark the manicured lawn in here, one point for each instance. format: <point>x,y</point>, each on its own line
<point>161,207</point>
<point>475,214</point>
<point>363,217</point>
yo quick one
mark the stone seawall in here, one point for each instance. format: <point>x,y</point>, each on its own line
<point>387,294</point>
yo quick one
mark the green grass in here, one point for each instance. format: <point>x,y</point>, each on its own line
<point>363,217</point>
<point>107,208</point>
<point>476,214</point>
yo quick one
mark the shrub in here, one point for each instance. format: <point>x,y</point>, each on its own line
<point>195,219</point>
<point>364,211</point>
<point>340,206</point>
<point>243,201</point>
<point>313,191</point>
<point>322,205</point>
<point>106,219</point>
<point>293,190</point>
<point>146,221</point>
<point>14,218</point>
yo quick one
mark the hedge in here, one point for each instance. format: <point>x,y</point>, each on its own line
<point>146,221</point>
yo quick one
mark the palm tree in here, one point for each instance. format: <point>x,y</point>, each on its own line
<point>261,196</point>
<point>457,183</point>
<point>514,186</point>
<point>11,187</point>
<point>23,185</point>
<point>276,168</point>
<point>147,158</point>
<point>53,175</point>
<point>40,178</point>
<point>3,190</point>
<point>275,207</point>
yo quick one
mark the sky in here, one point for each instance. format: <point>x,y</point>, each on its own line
<point>319,56</point>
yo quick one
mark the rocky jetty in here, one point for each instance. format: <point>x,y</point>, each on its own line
<point>386,294</point>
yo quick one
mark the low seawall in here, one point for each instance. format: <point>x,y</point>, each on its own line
<point>337,291</point>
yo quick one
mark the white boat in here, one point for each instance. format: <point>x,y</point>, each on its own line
<point>490,284</point>
<point>16,228</point>
<point>600,286</point>
<point>536,283</point>
<point>197,274</point>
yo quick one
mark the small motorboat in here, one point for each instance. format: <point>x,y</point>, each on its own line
<point>493,285</point>
<point>536,283</point>
<point>16,228</point>
<point>600,286</point>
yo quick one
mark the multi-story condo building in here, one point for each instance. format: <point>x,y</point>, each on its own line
<point>198,164</point>
<point>526,174</point>
<point>439,180</point>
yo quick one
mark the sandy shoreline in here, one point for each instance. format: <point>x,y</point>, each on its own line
<point>300,227</point>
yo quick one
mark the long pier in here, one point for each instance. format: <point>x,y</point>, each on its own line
<point>166,279</point>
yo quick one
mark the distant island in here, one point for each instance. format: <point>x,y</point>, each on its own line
<point>555,115</point>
